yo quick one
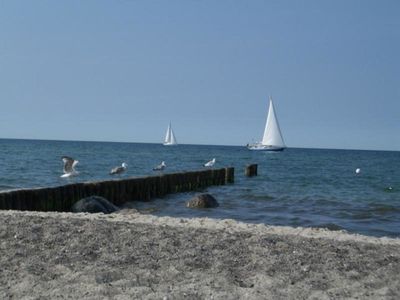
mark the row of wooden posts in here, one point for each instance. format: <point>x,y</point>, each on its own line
<point>61,198</point>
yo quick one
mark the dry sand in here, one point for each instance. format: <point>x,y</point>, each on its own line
<point>130,256</point>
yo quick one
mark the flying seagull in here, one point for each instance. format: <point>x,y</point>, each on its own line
<point>210,163</point>
<point>160,167</point>
<point>69,167</point>
<point>119,170</point>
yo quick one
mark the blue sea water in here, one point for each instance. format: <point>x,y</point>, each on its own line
<point>296,187</point>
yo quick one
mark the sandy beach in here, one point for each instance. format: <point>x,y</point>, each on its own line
<point>137,256</point>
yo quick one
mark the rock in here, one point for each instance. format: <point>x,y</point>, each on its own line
<point>94,204</point>
<point>202,201</point>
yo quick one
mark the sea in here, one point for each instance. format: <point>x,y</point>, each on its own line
<point>296,187</point>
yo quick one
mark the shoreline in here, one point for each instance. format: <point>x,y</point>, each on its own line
<point>230,225</point>
<point>133,255</point>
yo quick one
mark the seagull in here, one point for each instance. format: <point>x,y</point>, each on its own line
<point>69,167</point>
<point>210,163</point>
<point>119,170</point>
<point>160,167</point>
<point>358,171</point>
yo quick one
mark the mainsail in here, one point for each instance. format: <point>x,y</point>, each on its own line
<point>272,133</point>
<point>170,137</point>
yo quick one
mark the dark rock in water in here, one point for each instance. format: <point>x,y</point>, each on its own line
<point>202,201</point>
<point>94,204</point>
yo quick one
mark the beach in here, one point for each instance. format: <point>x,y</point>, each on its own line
<point>137,256</point>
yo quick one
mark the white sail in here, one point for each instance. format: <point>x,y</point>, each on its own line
<point>168,135</point>
<point>272,139</point>
<point>173,139</point>
<point>272,133</point>
<point>170,138</point>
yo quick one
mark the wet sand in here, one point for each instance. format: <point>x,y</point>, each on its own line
<point>126,256</point>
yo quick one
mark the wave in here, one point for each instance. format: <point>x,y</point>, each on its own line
<point>331,226</point>
<point>383,208</point>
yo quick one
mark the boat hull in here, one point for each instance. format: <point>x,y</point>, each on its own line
<point>260,147</point>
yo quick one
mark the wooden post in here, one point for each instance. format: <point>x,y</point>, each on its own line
<point>229,175</point>
<point>251,170</point>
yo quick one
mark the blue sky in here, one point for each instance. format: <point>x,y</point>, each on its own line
<point>121,70</point>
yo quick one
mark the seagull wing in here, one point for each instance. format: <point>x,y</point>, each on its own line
<point>158,168</point>
<point>74,164</point>
<point>68,164</point>
<point>116,170</point>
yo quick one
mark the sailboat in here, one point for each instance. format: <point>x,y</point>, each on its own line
<point>170,139</point>
<point>272,139</point>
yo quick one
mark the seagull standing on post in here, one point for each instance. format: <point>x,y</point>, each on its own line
<point>119,170</point>
<point>210,163</point>
<point>69,167</point>
<point>160,167</point>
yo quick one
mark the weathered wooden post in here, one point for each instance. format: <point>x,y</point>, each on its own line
<point>251,170</point>
<point>229,175</point>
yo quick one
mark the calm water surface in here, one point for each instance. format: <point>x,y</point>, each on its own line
<point>297,187</point>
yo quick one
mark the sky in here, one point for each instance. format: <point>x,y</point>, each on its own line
<point>122,70</point>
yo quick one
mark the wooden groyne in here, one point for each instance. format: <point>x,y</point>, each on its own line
<point>61,198</point>
<point>251,170</point>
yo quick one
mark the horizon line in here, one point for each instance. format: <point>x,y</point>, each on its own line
<point>160,143</point>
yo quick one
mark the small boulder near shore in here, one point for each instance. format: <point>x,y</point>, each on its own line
<point>202,201</point>
<point>94,204</point>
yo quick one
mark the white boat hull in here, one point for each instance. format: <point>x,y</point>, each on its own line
<point>260,147</point>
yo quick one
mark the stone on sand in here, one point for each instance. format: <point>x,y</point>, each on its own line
<point>94,204</point>
<point>202,201</point>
